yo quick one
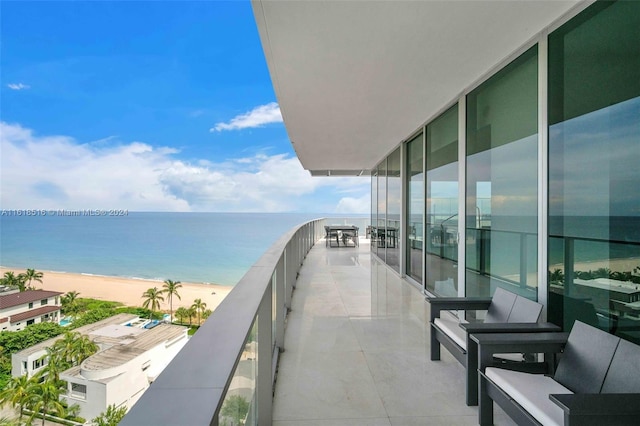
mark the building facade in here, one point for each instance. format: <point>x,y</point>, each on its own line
<point>20,309</point>
<point>527,180</point>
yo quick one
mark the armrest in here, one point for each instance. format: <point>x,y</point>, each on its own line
<point>457,303</point>
<point>510,327</point>
<point>494,343</point>
<point>599,408</point>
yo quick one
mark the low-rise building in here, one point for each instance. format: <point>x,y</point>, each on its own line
<point>129,358</point>
<point>19,309</point>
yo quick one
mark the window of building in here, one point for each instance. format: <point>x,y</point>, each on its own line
<point>502,181</point>
<point>394,210</point>
<point>44,302</point>
<point>415,207</point>
<point>441,254</point>
<point>594,150</point>
<point>31,321</point>
<point>78,390</point>
<point>382,210</point>
<point>30,305</point>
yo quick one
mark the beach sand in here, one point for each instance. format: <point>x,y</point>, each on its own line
<point>124,290</point>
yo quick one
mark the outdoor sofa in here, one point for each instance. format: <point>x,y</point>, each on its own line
<point>506,312</point>
<point>596,382</point>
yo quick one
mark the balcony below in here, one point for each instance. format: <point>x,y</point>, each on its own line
<point>357,350</point>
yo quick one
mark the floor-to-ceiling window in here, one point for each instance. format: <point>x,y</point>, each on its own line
<point>394,209</point>
<point>501,187</point>
<point>415,207</point>
<point>594,169</point>
<point>382,210</point>
<point>374,208</point>
<point>441,254</point>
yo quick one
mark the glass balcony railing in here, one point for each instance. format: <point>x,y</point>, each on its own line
<point>225,374</point>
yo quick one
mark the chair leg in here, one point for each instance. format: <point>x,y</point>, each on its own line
<point>435,347</point>
<point>472,373</point>
<point>485,409</point>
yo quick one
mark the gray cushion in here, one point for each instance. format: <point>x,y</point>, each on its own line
<point>586,359</point>
<point>532,392</point>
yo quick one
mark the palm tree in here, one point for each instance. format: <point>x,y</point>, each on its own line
<point>182,313</point>
<point>16,393</point>
<point>192,312</point>
<point>171,289</point>
<point>199,307</point>
<point>44,397</point>
<point>69,302</point>
<point>13,280</point>
<point>32,275</point>
<point>56,363</point>
<point>153,297</point>
<point>83,348</point>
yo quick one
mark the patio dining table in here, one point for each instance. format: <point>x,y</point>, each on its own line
<point>345,233</point>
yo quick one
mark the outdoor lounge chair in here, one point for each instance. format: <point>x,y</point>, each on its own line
<point>506,312</point>
<point>596,382</point>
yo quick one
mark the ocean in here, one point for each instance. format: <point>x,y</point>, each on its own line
<point>215,248</point>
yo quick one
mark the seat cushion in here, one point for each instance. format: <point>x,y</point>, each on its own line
<point>532,392</point>
<point>451,327</point>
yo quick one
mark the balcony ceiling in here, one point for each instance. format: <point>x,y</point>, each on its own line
<point>355,78</point>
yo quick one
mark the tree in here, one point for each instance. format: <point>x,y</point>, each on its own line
<point>153,297</point>
<point>111,417</point>
<point>17,393</point>
<point>32,275</point>
<point>192,312</point>
<point>171,289</point>
<point>12,280</point>
<point>235,407</point>
<point>44,397</point>
<point>182,313</point>
<point>199,307</point>
<point>206,314</point>
<point>70,303</point>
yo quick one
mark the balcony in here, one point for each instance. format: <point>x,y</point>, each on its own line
<point>353,349</point>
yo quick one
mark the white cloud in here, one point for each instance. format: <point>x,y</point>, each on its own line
<point>354,205</point>
<point>18,86</point>
<point>257,117</point>
<point>56,172</point>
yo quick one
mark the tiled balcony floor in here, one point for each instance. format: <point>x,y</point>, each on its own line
<point>357,350</point>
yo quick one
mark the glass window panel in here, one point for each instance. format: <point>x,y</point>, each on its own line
<point>594,150</point>
<point>394,208</point>
<point>415,207</point>
<point>442,204</point>
<point>374,208</point>
<point>501,187</point>
<point>382,210</point>
<point>240,405</point>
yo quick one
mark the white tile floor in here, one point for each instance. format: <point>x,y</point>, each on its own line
<point>357,350</point>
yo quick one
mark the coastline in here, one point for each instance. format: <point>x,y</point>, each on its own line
<point>127,291</point>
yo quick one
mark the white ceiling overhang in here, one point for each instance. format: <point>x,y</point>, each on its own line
<point>355,78</point>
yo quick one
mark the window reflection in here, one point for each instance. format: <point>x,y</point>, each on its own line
<point>415,207</point>
<point>502,187</point>
<point>594,149</point>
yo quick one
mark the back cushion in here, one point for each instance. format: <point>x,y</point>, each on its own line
<point>586,359</point>
<point>500,307</point>
<point>525,310</point>
<point>624,372</point>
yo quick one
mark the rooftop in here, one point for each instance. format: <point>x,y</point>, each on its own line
<point>85,330</point>
<point>32,313</point>
<point>20,298</point>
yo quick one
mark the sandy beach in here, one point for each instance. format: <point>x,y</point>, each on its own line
<point>124,290</point>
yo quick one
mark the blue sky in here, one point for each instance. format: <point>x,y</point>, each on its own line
<point>148,106</point>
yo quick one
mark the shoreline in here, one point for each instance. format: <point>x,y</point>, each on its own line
<point>127,291</point>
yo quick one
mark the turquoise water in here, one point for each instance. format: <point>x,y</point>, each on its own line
<point>190,247</point>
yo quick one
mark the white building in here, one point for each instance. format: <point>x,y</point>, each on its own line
<point>19,309</point>
<point>128,360</point>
